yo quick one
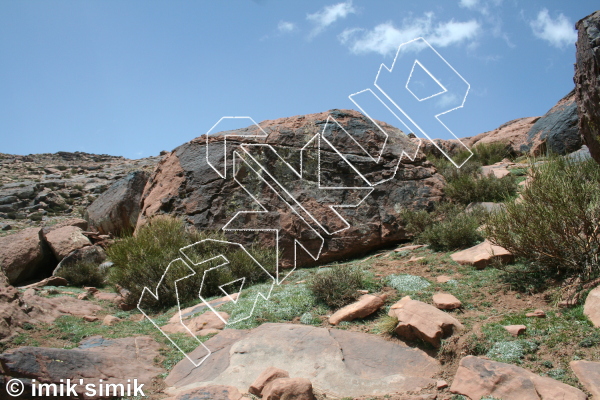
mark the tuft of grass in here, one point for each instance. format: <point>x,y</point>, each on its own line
<point>467,188</point>
<point>83,274</point>
<point>339,285</point>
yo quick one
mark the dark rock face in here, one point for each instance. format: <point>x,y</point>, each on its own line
<point>117,209</point>
<point>587,81</point>
<point>557,131</point>
<point>335,171</point>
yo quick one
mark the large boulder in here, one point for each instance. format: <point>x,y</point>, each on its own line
<point>513,134</point>
<point>23,255</point>
<point>591,308</point>
<point>477,378</point>
<point>337,362</point>
<point>587,81</point>
<point>483,254</point>
<point>117,209</point>
<point>86,255</point>
<point>557,131</point>
<point>66,239</point>
<point>588,373</point>
<point>96,358</point>
<point>185,184</point>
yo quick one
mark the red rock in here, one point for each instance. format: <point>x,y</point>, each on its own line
<point>537,314</point>
<point>268,375</point>
<point>441,385</point>
<point>477,378</point>
<point>418,320</point>
<point>443,279</point>
<point>588,373</point>
<point>64,240</point>
<point>83,296</point>
<point>587,82</point>
<point>482,255</point>
<point>513,134</point>
<point>446,301</point>
<point>515,330</point>
<point>497,171</point>
<point>409,248</point>
<point>288,388</point>
<point>22,255</point>
<point>198,325</point>
<point>591,307</point>
<point>90,318</point>
<point>366,305</point>
<point>110,320</point>
<point>50,281</point>
<point>104,296</point>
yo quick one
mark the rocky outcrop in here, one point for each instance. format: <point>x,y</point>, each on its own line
<point>66,239</point>
<point>117,209</point>
<point>185,184</point>
<point>557,131</point>
<point>513,134</point>
<point>587,81</point>
<point>337,362</point>
<point>591,307</point>
<point>477,378</point>
<point>96,358</point>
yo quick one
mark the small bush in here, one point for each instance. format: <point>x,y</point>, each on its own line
<point>339,285</point>
<point>83,274</point>
<point>467,188</point>
<point>491,153</point>
<point>556,225</point>
<point>141,261</point>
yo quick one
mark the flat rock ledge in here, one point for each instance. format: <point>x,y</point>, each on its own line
<point>337,362</point>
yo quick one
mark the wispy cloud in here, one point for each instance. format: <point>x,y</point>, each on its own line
<point>286,27</point>
<point>558,32</point>
<point>468,3</point>
<point>385,38</point>
<point>328,15</point>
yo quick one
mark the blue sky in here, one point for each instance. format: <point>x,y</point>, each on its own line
<point>133,78</point>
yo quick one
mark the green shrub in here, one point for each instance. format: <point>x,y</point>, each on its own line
<point>339,285</point>
<point>491,153</point>
<point>447,227</point>
<point>141,261</point>
<point>83,274</point>
<point>467,188</point>
<point>556,225</point>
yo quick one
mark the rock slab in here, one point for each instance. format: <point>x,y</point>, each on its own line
<point>588,373</point>
<point>477,378</point>
<point>366,305</point>
<point>337,362</point>
<point>591,307</point>
<point>482,255</point>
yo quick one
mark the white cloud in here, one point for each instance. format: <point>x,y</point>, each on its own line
<point>385,38</point>
<point>558,32</point>
<point>468,3</point>
<point>329,14</point>
<point>285,27</point>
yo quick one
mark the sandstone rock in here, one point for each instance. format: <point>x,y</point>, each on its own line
<point>446,301</point>
<point>366,305</point>
<point>117,209</point>
<point>587,81</point>
<point>213,392</point>
<point>23,255</point>
<point>110,320</point>
<point>418,320</point>
<point>189,312</point>
<point>337,362</point>
<point>90,318</point>
<point>591,307</point>
<point>289,388</point>
<point>443,279</point>
<point>482,255</point>
<point>77,222</point>
<point>515,330</point>
<point>537,314</point>
<point>106,296</point>
<point>198,325</point>
<point>268,375</point>
<point>557,130</point>
<point>184,184</point>
<point>477,378</point>
<point>50,281</point>
<point>89,255</point>
<point>64,240</point>
<point>441,385</point>
<point>112,360</point>
<point>588,373</point>
<point>499,171</point>
<point>409,248</point>
<point>512,133</point>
